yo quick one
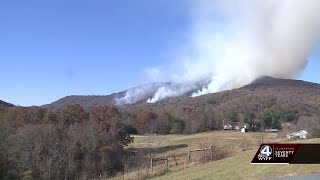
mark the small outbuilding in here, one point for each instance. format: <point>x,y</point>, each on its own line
<point>243,127</point>
<point>271,130</point>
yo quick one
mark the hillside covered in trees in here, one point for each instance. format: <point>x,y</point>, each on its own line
<point>138,94</point>
<point>88,102</point>
<point>265,103</point>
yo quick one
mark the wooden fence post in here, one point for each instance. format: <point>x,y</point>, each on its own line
<point>189,155</point>
<point>176,163</point>
<point>204,154</point>
<point>211,153</point>
<point>151,165</point>
<point>167,163</point>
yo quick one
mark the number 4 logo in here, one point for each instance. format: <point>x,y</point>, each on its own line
<point>266,151</point>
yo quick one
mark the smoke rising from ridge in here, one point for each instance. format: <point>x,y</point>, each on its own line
<point>233,42</point>
<point>260,38</point>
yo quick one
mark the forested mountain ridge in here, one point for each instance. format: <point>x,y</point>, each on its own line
<point>5,104</point>
<point>88,102</point>
<point>280,88</point>
<point>138,94</point>
<point>275,100</point>
<point>267,91</point>
<point>266,102</point>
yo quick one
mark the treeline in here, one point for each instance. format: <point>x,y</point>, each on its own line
<point>68,143</point>
<point>195,120</point>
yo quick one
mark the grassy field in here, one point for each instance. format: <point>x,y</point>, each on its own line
<point>239,167</point>
<point>180,144</point>
<point>241,148</point>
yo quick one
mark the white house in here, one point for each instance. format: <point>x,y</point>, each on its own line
<point>300,134</point>
<point>227,127</point>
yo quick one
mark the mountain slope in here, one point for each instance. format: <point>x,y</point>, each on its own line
<point>112,99</point>
<point>264,92</point>
<point>134,95</point>
<point>5,104</point>
<point>290,99</point>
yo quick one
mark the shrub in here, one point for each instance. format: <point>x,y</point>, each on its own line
<point>131,130</point>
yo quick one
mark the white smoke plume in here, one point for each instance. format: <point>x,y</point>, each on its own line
<point>176,89</point>
<point>272,37</point>
<point>165,92</point>
<point>137,93</point>
<point>236,41</point>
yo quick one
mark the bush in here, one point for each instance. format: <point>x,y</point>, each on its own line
<point>131,130</point>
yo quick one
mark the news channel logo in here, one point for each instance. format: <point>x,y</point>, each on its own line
<point>265,153</point>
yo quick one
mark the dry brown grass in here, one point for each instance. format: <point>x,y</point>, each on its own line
<point>239,167</point>
<point>178,145</point>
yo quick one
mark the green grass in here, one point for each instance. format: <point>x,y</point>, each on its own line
<point>239,167</point>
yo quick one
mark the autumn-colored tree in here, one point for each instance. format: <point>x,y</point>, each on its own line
<point>74,114</point>
<point>144,121</point>
<point>109,119</point>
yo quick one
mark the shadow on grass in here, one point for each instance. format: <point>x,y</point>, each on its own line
<point>159,150</point>
<point>169,148</point>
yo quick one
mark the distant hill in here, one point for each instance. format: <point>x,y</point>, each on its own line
<point>5,104</point>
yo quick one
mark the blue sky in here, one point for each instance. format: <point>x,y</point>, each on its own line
<point>51,49</point>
